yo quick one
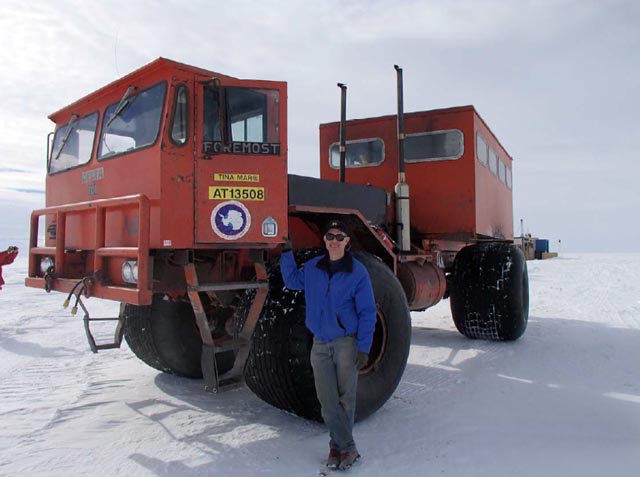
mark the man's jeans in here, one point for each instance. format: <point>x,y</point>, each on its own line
<point>336,378</point>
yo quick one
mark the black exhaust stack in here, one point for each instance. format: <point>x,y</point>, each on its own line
<point>343,130</point>
<point>403,225</point>
<point>400,124</point>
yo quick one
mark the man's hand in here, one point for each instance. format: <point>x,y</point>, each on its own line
<point>287,244</point>
<point>361,360</point>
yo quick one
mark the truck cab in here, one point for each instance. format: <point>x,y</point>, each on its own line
<point>168,157</point>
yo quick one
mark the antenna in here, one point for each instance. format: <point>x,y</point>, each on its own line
<point>115,51</point>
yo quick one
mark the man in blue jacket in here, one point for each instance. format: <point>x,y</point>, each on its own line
<point>341,314</point>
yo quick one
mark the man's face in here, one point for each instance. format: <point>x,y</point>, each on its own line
<point>334,245</point>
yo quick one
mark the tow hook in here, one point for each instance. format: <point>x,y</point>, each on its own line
<point>48,279</point>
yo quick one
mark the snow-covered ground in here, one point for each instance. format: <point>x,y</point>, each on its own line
<point>564,400</point>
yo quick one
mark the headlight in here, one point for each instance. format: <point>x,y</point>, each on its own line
<point>45,264</point>
<point>130,271</point>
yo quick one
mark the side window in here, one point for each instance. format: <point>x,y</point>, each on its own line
<point>133,122</point>
<point>73,143</point>
<point>247,111</point>
<point>493,162</point>
<point>502,171</point>
<point>251,120</point>
<point>434,146</point>
<point>481,149</point>
<point>180,123</point>
<point>360,153</point>
<point>509,178</point>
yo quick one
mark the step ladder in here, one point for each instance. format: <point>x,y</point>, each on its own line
<point>241,341</point>
<point>119,332</point>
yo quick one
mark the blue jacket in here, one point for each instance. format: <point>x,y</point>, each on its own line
<point>338,306</point>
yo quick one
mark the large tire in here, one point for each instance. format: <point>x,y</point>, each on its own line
<point>490,291</point>
<point>391,341</point>
<point>279,370</point>
<point>164,335</point>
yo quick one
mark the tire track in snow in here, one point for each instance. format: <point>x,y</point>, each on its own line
<point>436,360</point>
<point>49,364</point>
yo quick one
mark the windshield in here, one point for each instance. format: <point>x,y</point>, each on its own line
<point>73,143</point>
<point>251,119</point>
<point>133,122</point>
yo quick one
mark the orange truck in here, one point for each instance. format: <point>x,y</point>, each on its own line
<point>167,191</point>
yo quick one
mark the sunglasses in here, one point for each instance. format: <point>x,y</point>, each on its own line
<point>339,237</point>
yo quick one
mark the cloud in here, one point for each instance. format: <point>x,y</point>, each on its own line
<point>555,80</point>
<point>9,169</point>
<point>28,191</point>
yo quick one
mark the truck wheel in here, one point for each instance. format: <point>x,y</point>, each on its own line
<point>391,340</point>
<point>164,335</point>
<point>279,370</point>
<point>490,291</point>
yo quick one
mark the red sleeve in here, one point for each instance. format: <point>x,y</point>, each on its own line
<point>6,258</point>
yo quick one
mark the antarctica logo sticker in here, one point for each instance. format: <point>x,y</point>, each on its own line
<point>230,220</point>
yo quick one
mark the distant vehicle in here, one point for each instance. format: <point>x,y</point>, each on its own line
<point>167,190</point>
<point>534,248</point>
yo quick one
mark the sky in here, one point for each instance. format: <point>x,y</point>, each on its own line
<point>556,80</point>
<point>563,400</point>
